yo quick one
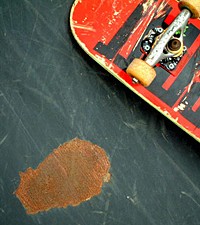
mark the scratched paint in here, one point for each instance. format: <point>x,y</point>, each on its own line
<point>71,174</point>
<point>183,104</point>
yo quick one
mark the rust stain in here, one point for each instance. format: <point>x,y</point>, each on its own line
<point>71,174</point>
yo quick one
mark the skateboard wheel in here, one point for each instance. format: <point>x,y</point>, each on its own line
<point>142,71</point>
<point>192,5</point>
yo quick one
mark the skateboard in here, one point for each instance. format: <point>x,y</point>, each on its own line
<point>151,46</point>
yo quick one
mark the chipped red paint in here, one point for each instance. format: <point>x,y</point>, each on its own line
<point>98,21</point>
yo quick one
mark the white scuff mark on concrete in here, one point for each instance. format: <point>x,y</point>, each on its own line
<point>133,199</point>
<point>134,195</point>
<point>3,139</point>
<point>2,210</point>
<point>129,125</point>
<point>190,196</point>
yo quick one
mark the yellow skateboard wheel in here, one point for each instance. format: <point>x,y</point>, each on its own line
<point>142,71</point>
<point>192,5</point>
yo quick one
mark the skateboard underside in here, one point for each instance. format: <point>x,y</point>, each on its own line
<point>111,33</point>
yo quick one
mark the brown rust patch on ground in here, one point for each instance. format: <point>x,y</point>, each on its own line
<point>71,174</point>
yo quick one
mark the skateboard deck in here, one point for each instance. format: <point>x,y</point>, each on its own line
<point>112,33</point>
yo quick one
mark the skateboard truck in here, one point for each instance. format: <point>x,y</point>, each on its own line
<point>169,62</point>
<point>166,45</point>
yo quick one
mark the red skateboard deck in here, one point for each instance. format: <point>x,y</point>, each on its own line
<point>112,32</point>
